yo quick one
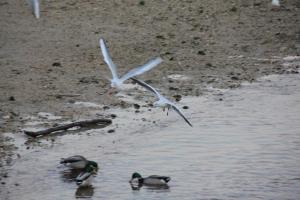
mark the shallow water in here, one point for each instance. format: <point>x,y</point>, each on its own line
<point>245,144</point>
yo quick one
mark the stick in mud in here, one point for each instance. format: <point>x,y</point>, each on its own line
<point>67,126</point>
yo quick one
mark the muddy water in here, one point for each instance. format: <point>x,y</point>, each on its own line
<point>245,144</point>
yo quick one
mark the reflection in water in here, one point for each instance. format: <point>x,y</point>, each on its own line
<point>84,192</point>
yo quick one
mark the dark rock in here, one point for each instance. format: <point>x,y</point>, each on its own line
<point>201,53</point>
<point>111,131</point>
<point>56,64</point>
<point>137,111</point>
<point>71,101</point>
<point>233,9</point>
<point>220,99</point>
<point>142,3</point>
<point>77,45</point>
<point>235,78</point>
<point>173,88</point>
<point>113,116</point>
<point>106,107</point>
<point>11,98</point>
<point>208,64</point>
<point>185,107</point>
<point>136,106</point>
<point>160,37</point>
<point>177,97</point>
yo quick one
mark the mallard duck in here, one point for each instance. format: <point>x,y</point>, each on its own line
<point>87,174</point>
<point>76,162</point>
<point>153,180</point>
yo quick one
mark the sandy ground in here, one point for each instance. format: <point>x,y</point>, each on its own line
<point>54,61</point>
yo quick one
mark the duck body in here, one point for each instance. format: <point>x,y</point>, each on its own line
<point>153,180</point>
<point>87,175</point>
<point>75,162</point>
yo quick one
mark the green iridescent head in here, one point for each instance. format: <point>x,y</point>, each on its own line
<point>136,175</point>
<point>91,166</point>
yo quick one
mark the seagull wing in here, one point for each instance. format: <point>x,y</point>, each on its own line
<point>107,59</point>
<point>140,70</point>
<point>180,113</point>
<point>147,87</point>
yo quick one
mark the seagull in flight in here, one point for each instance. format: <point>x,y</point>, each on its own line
<point>162,101</point>
<point>117,82</point>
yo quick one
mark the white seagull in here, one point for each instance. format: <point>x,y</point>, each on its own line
<point>36,8</point>
<point>117,82</point>
<point>275,3</point>
<point>162,101</point>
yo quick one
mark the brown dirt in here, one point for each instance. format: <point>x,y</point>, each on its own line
<point>220,43</point>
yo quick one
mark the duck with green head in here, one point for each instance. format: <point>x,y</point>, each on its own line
<point>87,174</point>
<point>153,180</point>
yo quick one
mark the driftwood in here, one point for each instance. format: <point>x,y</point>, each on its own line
<point>67,126</point>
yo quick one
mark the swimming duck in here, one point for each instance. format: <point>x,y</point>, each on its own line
<point>76,162</point>
<point>153,180</point>
<point>87,175</point>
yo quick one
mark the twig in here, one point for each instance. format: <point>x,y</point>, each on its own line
<point>67,126</point>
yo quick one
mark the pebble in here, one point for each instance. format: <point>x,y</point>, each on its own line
<point>111,131</point>
<point>56,64</point>
<point>136,106</point>
<point>11,98</point>
<point>185,107</point>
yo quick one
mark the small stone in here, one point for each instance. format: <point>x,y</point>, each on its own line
<point>136,106</point>
<point>142,3</point>
<point>235,78</point>
<point>160,37</point>
<point>185,107</point>
<point>111,131</point>
<point>56,64</point>
<point>208,64</point>
<point>106,107</point>
<point>201,52</point>
<point>113,116</point>
<point>173,88</point>
<point>11,98</point>
<point>233,9</point>
<point>72,101</point>
<point>220,99</point>
<point>177,97</point>
<point>137,111</point>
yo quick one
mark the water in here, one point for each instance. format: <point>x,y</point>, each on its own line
<point>245,144</point>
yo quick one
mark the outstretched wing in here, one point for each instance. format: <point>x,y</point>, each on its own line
<point>180,113</point>
<point>107,59</point>
<point>140,70</point>
<point>146,86</point>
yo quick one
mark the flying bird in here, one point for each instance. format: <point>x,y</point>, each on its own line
<point>116,81</point>
<point>162,101</point>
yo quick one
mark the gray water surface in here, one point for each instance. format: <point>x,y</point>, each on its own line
<point>245,144</point>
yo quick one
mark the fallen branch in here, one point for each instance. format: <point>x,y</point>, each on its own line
<point>67,126</point>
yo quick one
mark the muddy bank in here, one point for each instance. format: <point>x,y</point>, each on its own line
<point>49,64</point>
